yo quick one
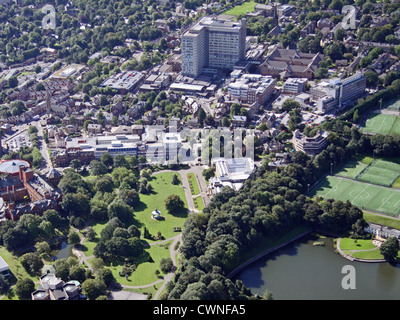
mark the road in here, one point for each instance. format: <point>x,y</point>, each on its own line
<point>46,162</point>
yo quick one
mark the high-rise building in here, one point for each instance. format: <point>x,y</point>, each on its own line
<point>351,89</point>
<point>213,43</point>
<point>339,93</point>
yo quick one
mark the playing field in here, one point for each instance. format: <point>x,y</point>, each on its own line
<point>382,124</point>
<point>241,9</point>
<point>393,105</point>
<point>381,172</point>
<point>363,195</point>
<point>351,169</point>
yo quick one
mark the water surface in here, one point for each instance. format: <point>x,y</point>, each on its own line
<point>303,271</point>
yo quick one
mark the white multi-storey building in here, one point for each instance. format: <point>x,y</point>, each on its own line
<point>250,88</point>
<point>213,43</point>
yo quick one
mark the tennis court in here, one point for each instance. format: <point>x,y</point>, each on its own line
<point>380,172</point>
<point>365,196</point>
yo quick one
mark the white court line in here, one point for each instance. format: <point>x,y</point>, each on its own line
<point>384,201</point>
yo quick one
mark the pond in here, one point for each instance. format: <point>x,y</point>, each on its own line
<point>65,251</point>
<point>301,271</point>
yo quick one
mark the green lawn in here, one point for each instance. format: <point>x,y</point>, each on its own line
<point>356,244</point>
<point>241,9</point>
<point>198,203</point>
<point>145,272</point>
<point>162,188</point>
<point>382,220</point>
<point>369,250</point>
<point>194,186</point>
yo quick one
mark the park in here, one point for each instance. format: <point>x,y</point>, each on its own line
<point>158,215</point>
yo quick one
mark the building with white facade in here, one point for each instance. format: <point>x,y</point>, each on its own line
<point>213,43</point>
<point>294,85</point>
<point>339,93</point>
<point>4,268</point>
<point>310,145</point>
<point>250,88</point>
<point>118,144</point>
<point>230,172</point>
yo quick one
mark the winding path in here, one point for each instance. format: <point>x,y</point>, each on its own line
<point>349,256</point>
<point>197,170</point>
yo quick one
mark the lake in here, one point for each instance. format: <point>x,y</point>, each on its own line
<point>301,271</point>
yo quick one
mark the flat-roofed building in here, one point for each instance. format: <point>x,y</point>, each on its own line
<point>124,82</point>
<point>351,89</point>
<point>213,43</point>
<point>339,93</point>
<point>4,268</point>
<point>310,145</point>
<point>113,144</point>
<point>230,172</point>
<point>250,88</point>
<point>294,85</point>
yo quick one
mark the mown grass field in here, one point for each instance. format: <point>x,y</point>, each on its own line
<point>382,124</point>
<point>241,9</point>
<point>365,196</point>
<point>371,184</point>
<point>162,188</point>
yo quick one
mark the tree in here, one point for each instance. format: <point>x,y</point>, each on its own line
<point>290,104</point>
<point>62,269</point>
<point>24,288</point>
<point>208,173</point>
<point>120,161</point>
<point>32,263</point>
<point>97,168</point>
<point>356,116</point>
<point>13,82</point>
<point>104,184</point>
<point>175,179</point>
<point>107,160</point>
<point>93,288</point>
<point>119,209</point>
<point>166,265</point>
<point>321,73</point>
<point>129,196</point>
<point>73,238</point>
<point>372,78</point>
<point>201,115</point>
<point>76,164</point>
<point>390,248</point>
<point>174,203</point>
<point>43,247</point>
<point>4,285</point>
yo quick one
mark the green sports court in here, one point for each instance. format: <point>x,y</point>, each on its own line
<point>382,124</point>
<point>380,172</point>
<point>351,169</point>
<point>363,195</point>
